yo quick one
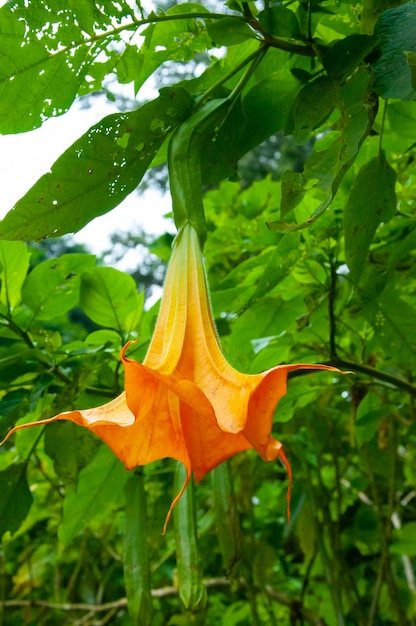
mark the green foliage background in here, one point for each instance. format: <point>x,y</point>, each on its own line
<point>315,264</point>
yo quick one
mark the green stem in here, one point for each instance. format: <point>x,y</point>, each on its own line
<point>400,383</point>
<point>271,41</point>
<point>380,137</point>
<point>209,92</point>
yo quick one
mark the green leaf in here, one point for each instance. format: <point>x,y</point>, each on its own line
<point>325,169</point>
<point>97,172</point>
<point>48,53</point>
<point>71,448</point>
<point>313,105</point>
<point>109,297</point>
<point>167,40</point>
<point>372,200</point>
<point>394,321</point>
<point>280,22</point>
<point>16,498</point>
<point>293,192</point>
<point>371,11</point>
<point>396,29</point>
<point>267,106</point>
<point>14,264</point>
<point>411,60</point>
<point>341,59</point>
<point>52,288</point>
<point>229,31</point>
<point>13,405</point>
<point>402,119</point>
<point>367,424</point>
<point>405,540</point>
<point>100,491</point>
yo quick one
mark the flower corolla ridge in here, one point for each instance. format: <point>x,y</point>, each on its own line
<point>185,401</point>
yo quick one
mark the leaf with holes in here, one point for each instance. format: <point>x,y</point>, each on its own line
<point>50,53</point>
<point>97,172</point>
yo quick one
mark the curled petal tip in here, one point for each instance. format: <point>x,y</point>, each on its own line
<point>175,501</point>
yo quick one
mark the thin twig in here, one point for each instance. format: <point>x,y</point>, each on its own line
<point>171,592</point>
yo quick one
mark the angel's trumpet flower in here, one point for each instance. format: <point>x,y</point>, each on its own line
<point>185,401</point>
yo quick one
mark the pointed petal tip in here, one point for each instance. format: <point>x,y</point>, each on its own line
<point>282,456</point>
<point>28,425</point>
<point>176,500</point>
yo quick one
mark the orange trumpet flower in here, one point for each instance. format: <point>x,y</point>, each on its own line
<point>185,401</point>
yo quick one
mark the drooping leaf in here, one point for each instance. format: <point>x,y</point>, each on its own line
<point>325,169</point>
<point>110,298</point>
<point>100,490</point>
<point>396,29</point>
<point>14,263</point>
<point>97,172</point>
<point>16,498</point>
<point>369,204</point>
<point>52,288</point>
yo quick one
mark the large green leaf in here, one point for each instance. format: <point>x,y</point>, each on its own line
<point>396,29</point>
<point>16,498</point>
<point>100,490</point>
<point>49,53</point>
<point>372,201</point>
<point>97,172</point>
<point>110,298</point>
<point>52,288</point>
<point>14,263</point>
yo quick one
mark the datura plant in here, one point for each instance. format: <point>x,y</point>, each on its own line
<point>288,130</point>
<point>185,401</point>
